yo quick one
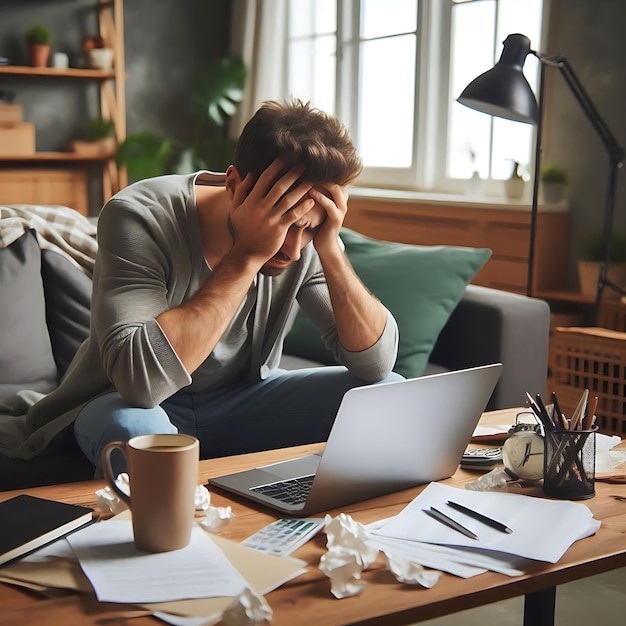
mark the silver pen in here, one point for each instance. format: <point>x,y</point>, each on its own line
<point>448,521</point>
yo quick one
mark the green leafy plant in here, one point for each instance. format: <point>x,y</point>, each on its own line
<point>216,93</point>
<point>145,155</point>
<point>592,248</point>
<point>98,128</point>
<point>38,34</point>
<point>553,174</point>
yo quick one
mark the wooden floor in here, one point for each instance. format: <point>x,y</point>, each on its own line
<point>598,599</point>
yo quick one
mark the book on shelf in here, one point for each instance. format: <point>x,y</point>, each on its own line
<point>29,523</point>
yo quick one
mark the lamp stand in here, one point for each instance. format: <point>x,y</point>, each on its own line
<point>535,201</point>
<point>616,156</point>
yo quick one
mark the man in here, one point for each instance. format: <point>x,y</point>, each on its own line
<point>194,288</point>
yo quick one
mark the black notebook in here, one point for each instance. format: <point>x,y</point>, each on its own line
<point>28,523</point>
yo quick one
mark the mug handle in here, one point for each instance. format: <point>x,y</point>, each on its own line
<point>108,472</point>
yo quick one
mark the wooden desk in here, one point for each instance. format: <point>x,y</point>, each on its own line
<point>307,599</point>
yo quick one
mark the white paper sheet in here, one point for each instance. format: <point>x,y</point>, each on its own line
<point>542,529</point>
<point>121,573</point>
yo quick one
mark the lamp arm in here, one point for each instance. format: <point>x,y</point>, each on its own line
<point>616,152</point>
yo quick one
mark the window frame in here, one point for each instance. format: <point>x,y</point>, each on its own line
<point>428,169</point>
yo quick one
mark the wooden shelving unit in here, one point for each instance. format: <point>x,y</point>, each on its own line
<point>62,166</point>
<point>52,72</point>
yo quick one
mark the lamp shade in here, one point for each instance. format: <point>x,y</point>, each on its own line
<point>503,91</point>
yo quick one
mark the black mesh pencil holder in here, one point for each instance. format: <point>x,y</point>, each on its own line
<point>569,467</point>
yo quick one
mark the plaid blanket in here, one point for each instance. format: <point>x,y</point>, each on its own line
<point>57,228</point>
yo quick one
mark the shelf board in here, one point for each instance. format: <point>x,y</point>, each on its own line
<point>24,70</point>
<point>55,156</point>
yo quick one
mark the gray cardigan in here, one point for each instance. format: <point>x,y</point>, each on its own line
<point>150,260</point>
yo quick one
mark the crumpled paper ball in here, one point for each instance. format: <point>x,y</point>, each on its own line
<point>410,573</point>
<point>217,518</point>
<point>108,499</point>
<point>247,609</point>
<point>348,554</point>
<point>495,480</point>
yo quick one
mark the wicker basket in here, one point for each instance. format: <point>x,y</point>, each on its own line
<point>594,359</point>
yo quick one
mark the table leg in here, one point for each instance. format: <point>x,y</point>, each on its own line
<point>539,607</point>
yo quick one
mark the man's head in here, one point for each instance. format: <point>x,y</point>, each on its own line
<point>300,135</point>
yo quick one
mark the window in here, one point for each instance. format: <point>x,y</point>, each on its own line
<point>391,71</point>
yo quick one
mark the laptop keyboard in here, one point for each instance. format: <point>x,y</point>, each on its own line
<point>292,491</point>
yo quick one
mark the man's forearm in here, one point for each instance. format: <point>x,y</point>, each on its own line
<point>194,328</point>
<point>360,317</point>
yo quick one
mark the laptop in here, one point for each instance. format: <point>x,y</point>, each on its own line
<point>385,438</point>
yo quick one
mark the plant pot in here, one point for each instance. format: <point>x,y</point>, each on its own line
<point>514,187</point>
<point>553,192</point>
<point>38,54</point>
<point>104,146</point>
<point>589,272</point>
<point>100,58</point>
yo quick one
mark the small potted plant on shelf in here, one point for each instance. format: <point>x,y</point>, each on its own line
<point>98,53</point>
<point>98,138</point>
<point>38,38</point>
<point>591,259</point>
<point>553,179</point>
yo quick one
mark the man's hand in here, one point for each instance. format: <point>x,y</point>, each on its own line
<point>262,212</point>
<point>334,200</point>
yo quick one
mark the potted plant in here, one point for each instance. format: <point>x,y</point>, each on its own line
<point>98,52</point>
<point>97,137</point>
<point>553,179</point>
<point>591,259</point>
<point>39,39</point>
<point>515,185</point>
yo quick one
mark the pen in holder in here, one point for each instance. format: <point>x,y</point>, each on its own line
<point>570,463</point>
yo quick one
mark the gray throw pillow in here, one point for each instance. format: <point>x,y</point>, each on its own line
<point>26,360</point>
<point>67,290</point>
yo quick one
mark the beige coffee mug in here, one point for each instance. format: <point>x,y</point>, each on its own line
<point>163,474</point>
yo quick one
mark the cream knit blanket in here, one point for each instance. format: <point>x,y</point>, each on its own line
<point>57,228</point>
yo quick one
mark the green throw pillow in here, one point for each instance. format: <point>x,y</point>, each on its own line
<point>420,285</point>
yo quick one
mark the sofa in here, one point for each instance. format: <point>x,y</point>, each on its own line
<point>445,323</point>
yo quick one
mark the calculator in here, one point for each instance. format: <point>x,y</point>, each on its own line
<point>481,458</point>
<point>284,536</point>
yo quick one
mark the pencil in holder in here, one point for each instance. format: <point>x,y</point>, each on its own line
<point>569,468</point>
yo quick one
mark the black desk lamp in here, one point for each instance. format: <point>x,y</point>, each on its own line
<point>503,91</point>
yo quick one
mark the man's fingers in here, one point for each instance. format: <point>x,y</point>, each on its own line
<point>292,198</point>
<point>273,178</point>
<point>243,189</point>
<point>298,211</point>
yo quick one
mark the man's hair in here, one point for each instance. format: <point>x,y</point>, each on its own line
<point>301,135</point>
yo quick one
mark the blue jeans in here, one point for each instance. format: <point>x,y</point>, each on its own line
<point>286,409</point>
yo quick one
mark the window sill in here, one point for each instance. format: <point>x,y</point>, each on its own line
<point>456,200</point>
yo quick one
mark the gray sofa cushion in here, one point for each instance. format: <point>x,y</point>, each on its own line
<point>26,359</point>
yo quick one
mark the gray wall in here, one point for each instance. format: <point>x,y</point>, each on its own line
<point>590,34</point>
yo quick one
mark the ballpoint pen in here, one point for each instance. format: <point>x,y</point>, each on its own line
<point>448,521</point>
<point>479,516</point>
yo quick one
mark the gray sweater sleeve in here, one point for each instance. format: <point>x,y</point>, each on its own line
<point>133,284</point>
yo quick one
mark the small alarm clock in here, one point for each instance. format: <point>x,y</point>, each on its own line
<point>523,451</point>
